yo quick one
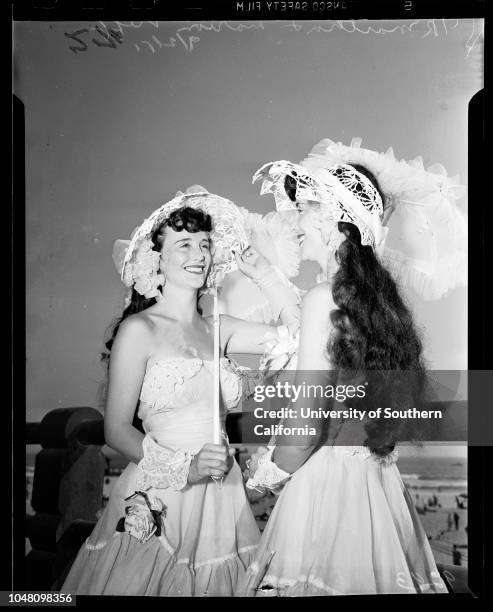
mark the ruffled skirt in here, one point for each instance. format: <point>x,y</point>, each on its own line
<point>344,524</point>
<point>209,539</point>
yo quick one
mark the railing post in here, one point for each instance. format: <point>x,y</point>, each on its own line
<point>67,485</point>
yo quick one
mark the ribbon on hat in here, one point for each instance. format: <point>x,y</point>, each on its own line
<point>119,253</point>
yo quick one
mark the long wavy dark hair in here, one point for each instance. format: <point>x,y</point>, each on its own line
<point>373,331</point>
<point>186,218</point>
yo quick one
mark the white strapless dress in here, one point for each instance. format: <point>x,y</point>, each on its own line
<point>344,524</point>
<point>209,534</point>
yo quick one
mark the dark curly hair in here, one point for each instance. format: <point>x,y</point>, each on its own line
<point>373,331</point>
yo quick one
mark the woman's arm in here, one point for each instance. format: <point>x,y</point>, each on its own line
<point>248,337</point>
<point>244,336</point>
<point>313,369</point>
<point>129,355</point>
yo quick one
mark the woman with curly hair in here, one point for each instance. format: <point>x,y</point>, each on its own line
<point>345,523</point>
<point>178,522</point>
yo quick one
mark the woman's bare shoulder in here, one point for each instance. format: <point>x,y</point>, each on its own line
<point>319,296</point>
<point>135,329</point>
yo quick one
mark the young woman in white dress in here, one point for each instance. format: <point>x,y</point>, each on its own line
<point>344,523</point>
<point>169,529</point>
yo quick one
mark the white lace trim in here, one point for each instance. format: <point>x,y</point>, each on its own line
<point>228,235</point>
<point>96,546</point>
<point>365,453</point>
<point>409,186</point>
<point>164,375</point>
<point>99,545</point>
<point>162,468</point>
<point>281,346</point>
<point>267,475</point>
<point>283,583</point>
<point>279,583</point>
<point>344,193</point>
<point>218,559</point>
<point>273,174</point>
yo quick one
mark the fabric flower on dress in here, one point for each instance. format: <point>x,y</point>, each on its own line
<point>142,520</point>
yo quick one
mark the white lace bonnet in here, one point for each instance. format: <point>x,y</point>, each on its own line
<point>344,194</point>
<point>426,246</point>
<point>138,263</point>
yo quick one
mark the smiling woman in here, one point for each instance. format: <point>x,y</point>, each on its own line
<point>196,249</point>
<point>197,226</point>
<point>168,529</point>
<point>191,252</point>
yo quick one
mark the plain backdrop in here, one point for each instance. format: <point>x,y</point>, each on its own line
<point>111,133</point>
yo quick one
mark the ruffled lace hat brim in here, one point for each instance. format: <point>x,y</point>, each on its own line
<point>227,236</point>
<point>426,248</point>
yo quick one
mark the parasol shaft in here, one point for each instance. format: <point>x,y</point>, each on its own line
<point>216,421</point>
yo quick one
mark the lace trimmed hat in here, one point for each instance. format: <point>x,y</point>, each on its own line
<point>138,262</point>
<point>418,230</point>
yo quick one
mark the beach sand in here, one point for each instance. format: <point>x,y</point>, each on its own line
<point>435,522</point>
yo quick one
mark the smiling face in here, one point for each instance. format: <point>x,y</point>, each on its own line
<point>309,222</point>
<point>311,225</point>
<point>319,236</point>
<point>186,258</point>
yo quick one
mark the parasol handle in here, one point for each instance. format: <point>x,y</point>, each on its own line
<point>216,420</point>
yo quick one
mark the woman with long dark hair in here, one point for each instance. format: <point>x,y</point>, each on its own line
<point>169,528</point>
<point>344,522</point>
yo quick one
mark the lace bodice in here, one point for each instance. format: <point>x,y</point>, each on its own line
<point>176,399</point>
<point>165,379</point>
